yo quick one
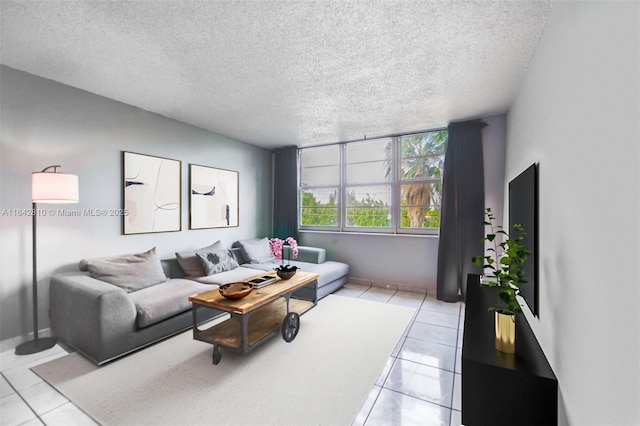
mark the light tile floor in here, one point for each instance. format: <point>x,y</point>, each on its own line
<point>422,380</point>
<point>420,384</point>
<point>27,400</point>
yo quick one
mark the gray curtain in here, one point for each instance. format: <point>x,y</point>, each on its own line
<point>462,214</point>
<point>285,193</point>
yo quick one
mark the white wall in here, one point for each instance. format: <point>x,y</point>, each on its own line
<point>577,114</point>
<point>404,260</point>
<point>45,123</point>
<point>494,140</point>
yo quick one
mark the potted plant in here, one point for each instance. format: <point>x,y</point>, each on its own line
<point>504,259</point>
<point>276,246</point>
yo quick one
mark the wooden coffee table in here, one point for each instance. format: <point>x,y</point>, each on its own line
<point>259,316</point>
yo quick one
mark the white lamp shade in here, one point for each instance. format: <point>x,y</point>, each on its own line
<point>52,187</point>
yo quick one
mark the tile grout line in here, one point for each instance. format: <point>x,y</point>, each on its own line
<point>22,398</point>
<point>414,319</point>
<point>395,358</point>
<point>420,399</point>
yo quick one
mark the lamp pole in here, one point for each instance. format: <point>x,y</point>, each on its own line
<point>46,187</point>
<point>37,344</point>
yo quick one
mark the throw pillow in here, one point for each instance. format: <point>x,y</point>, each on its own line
<point>217,261</point>
<point>191,264</point>
<point>130,272</point>
<point>256,250</point>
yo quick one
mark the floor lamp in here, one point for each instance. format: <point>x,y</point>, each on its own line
<point>46,187</point>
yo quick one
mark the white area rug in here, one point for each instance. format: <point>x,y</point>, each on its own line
<point>323,377</point>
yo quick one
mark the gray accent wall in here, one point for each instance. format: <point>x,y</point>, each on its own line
<point>45,123</point>
<point>577,115</point>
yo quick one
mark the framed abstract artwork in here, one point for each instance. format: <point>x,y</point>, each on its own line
<point>151,194</point>
<point>213,198</point>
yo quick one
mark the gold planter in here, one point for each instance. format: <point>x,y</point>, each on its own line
<point>505,332</point>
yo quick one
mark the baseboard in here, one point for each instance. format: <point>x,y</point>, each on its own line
<point>389,286</point>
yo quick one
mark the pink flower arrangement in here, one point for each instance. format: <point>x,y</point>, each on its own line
<point>276,245</point>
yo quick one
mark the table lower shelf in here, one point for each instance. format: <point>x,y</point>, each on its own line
<point>263,323</point>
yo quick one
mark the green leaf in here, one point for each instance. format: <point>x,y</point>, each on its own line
<point>505,259</point>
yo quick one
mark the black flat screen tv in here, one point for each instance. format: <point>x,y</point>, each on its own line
<point>523,209</point>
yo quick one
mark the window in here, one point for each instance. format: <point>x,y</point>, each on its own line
<point>421,165</point>
<point>368,184</point>
<point>391,185</point>
<point>320,184</point>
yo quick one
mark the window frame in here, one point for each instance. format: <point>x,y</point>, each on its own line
<point>396,183</point>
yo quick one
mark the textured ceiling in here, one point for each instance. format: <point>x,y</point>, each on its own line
<point>275,73</point>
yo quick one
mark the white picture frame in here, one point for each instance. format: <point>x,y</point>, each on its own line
<point>152,200</point>
<point>213,197</point>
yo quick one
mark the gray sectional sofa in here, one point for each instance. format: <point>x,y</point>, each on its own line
<point>113,306</point>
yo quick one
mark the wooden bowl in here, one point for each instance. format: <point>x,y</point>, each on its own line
<point>235,290</point>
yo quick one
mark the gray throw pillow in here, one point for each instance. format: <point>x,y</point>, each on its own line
<point>256,250</point>
<point>191,264</point>
<point>217,261</point>
<point>130,272</point>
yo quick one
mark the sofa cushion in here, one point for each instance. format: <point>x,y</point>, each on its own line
<point>172,268</point>
<point>329,270</point>
<point>217,261</point>
<point>256,250</point>
<point>264,266</point>
<point>164,300</point>
<point>311,254</point>
<point>236,252</point>
<point>130,272</point>
<point>240,273</point>
<point>191,264</point>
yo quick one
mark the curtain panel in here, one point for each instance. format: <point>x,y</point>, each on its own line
<point>462,211</point>
<point>285,193</point>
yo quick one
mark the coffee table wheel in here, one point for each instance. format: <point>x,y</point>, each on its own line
<point>216,357</point>
<point>290,326</point>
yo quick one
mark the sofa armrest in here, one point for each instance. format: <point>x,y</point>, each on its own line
<point>311,254</point>
<point>88,313</point>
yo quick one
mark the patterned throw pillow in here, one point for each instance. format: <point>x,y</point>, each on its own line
<point>217,261</point>
<point>191,264</point>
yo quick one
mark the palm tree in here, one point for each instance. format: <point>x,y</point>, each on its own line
<point>422,157</point>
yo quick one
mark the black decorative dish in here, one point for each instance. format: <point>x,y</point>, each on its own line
<point>236,290</point>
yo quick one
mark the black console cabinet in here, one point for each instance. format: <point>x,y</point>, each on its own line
<point>499,388</point>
